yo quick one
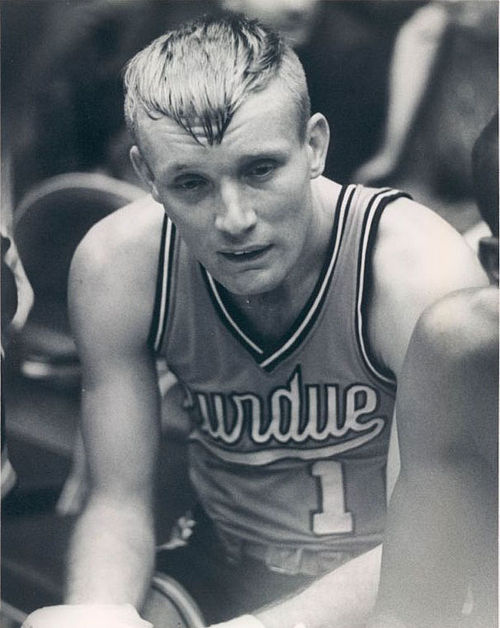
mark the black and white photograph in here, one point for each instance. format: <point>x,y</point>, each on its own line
<point>250,297</point>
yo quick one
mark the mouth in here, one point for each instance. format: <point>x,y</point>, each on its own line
<point>244,255</point>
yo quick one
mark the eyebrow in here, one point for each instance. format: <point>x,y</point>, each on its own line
<point>179,167</point>
<point>274,153</point>
<point>174,169</point>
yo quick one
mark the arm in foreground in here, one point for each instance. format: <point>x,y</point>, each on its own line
<point>441,530</point>
<point>344,597</point>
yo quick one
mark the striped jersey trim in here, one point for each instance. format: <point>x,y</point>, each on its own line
<point>268,360</point>
<point>221,308</point>
<point>163,285</point>
<point>376,205</point>
<point>311,310</point>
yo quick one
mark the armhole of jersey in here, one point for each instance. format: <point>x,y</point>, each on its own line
<point>163,286</point>
<point>369,231</point>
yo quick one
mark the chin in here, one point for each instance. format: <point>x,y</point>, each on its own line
<point>253,286</point>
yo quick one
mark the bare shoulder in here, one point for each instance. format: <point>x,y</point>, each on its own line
<point>421,241</point>
<point>418,258</point>
<point>132,230</point>
<point>114,268</point>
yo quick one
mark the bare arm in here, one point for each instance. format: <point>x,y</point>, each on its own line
<point>413,61</point>
<point>112,552</point>
<point>441,529</point>
<point>343,598</point>
<point>432,263</point>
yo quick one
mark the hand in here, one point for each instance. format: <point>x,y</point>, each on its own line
<point>86,616</point>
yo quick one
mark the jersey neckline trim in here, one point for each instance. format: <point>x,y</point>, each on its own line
<point>271,356</point>
<point>163,285</point>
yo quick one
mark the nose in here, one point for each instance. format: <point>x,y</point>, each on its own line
<point>234,216</point>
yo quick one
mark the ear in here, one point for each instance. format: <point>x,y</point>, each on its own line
<point>317,140</point>
<point>144,172</point>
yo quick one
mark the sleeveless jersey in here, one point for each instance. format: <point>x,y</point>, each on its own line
<point>289,443</point>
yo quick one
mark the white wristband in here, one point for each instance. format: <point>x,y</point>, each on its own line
<point>86,615</point>
<point>245,621</point>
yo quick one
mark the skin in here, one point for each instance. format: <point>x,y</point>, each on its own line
<point>445,498</point>
<point>250,192</point>
<point>442,527</point>
<point>261,187</point>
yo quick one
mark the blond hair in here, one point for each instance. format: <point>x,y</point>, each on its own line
<point>199,74</point>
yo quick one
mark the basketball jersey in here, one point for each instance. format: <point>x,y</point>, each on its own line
<point>288,443</point>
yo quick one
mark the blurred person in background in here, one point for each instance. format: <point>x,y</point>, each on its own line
<point>443,90</point>
<point>440,557</point>
<point>284,303</point>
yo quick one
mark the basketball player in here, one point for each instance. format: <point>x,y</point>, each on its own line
<point>284,303</point>
<point>441,536</point>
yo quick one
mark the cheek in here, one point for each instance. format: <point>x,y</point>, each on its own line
<point>291,188</point>
<point>292,204</point>
<point>297,181</point>
<point>190,220</point>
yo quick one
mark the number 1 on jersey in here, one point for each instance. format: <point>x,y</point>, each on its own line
<point>332,518</point>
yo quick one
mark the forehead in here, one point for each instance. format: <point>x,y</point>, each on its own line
<point>265,121</point>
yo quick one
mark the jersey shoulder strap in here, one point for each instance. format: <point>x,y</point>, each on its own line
<point>164,280</point>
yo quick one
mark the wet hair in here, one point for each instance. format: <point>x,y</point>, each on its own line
<point>200,73</point>
<point>485,173</point>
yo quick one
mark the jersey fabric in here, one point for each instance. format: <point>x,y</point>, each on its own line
<point>288,443</point>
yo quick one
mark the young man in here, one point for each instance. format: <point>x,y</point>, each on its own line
<point>283,302</point>
<point>442,532</point>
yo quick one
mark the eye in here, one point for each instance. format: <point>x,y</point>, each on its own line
<point>262,169</point>
<point>189,183</point>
